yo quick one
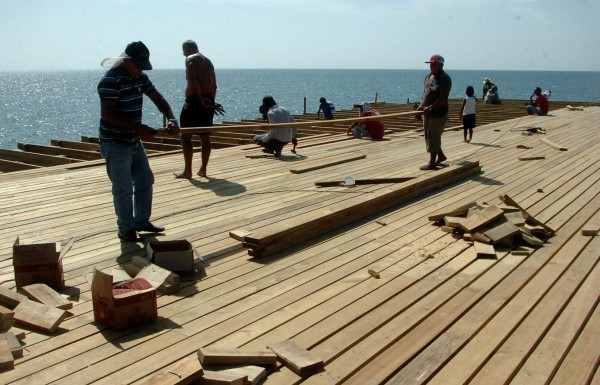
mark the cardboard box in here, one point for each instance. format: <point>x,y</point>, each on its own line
<point>172,255</point>
<point>39,263</point>
<point>126,304</point>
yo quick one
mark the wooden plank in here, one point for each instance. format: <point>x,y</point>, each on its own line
<point>221,356</point>
<point>511,202</point>
<point>590,232</point>
<point>6,358</point>
<point>39,316</point>
<point>36,159</point>
<point>222,378</point>
<point>362,182</point>
<point>255,374</point>
<point>460,211</point>
<point>501,231</point>
<point>484,250</point>
<point>483,218</point>
<point>239,234</point>
<point>532,157</point>
<point>299,360</point>
<point>326,162</point>
<point>12,166</point>
<point>60,151</point>
<point>43,293</point>
<point>552,144</point>
<point>13,343</point>
<point>182,372</point>
<point>10,298</point>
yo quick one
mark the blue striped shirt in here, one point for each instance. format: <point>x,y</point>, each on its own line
<point>129,93</point>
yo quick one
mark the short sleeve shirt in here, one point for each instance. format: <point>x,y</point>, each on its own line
<point>375,127</point>
<point>128,93</point>
<point>432,92</point>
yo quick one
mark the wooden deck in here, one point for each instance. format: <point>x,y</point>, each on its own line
<point>435,315</point>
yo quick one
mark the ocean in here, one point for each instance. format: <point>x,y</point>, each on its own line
<point>38,106</point>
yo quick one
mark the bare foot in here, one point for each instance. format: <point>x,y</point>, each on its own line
<point>202,173</point>
<point>182,175</point>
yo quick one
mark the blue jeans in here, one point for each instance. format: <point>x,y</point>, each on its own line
<point>132,179</point>
<point>273,145</point>
<point>534,110</point>
<point>360,131</point>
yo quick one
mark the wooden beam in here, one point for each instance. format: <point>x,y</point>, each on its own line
<point>326,162</point>
<point>182,372</point>
<point>43,293</point>
<point>39,316</point>
<point>299,360</point>
<point>60,151</point>
<point>552,144</point>
<point>267,126</point>
<point>365,181</point>
<point>236,356</point>
<point>36,159</point>
<point>12,166</point>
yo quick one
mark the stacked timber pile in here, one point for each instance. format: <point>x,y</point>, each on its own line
<point>271,238</point>
<point>72,154</point>
<point>489,225</point>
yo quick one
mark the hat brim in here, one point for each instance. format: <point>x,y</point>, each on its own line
<point>144,65</point>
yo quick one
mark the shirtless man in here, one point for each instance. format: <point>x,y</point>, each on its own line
<point>199,107</point>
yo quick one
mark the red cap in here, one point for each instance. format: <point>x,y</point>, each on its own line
<point>436,59</point>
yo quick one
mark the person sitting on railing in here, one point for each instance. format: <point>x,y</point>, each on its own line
<point>274,140</point>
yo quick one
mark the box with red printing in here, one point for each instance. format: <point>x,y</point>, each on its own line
<point>125,304</point>
<point>39,263</point>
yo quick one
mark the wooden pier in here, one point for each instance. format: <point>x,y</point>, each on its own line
<point>383,298</point>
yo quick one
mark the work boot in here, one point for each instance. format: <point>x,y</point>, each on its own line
<point>150,228</point>
<point>128,236</point>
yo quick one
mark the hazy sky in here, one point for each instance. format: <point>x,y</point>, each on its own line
<point>367,34</point>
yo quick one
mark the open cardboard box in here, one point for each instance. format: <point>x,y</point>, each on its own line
<point>125,304</point>
<point>39,263</point>
<point>175,256</point>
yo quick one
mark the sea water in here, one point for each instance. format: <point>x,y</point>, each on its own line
<point>38,106</point>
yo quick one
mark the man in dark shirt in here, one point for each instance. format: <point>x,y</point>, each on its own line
<point>326,108</point>
<point>121,93</point>
<point>434,105</point>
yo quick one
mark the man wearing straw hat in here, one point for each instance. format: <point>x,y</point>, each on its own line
<point>121,92</point>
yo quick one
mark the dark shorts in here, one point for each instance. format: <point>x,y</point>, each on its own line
<point>194,114</point>
<point>469,121</point>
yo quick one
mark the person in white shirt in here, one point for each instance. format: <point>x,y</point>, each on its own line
<point>274,140</point>
<point>467,113</point>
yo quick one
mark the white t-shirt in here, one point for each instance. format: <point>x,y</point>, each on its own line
<point>470,103</point>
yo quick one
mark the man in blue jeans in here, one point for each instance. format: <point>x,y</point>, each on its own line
<point>121,93</point>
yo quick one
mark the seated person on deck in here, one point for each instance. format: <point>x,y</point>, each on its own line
<point>373,129</point>
<point>539,105</point>
<point>274,140</point>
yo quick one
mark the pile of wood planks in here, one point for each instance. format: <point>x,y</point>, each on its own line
<point>489,225</point>
<point>278,236</point>
<point>238,366</point>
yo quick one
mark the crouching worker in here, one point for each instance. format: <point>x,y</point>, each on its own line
<point>274,140</point>
<point>373,129</point>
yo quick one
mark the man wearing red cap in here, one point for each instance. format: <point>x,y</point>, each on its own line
<point>434,105</point>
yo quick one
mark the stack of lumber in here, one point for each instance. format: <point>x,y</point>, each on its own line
<point>272,238</point>
<point>238,366</point>
<point>489,225</point>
